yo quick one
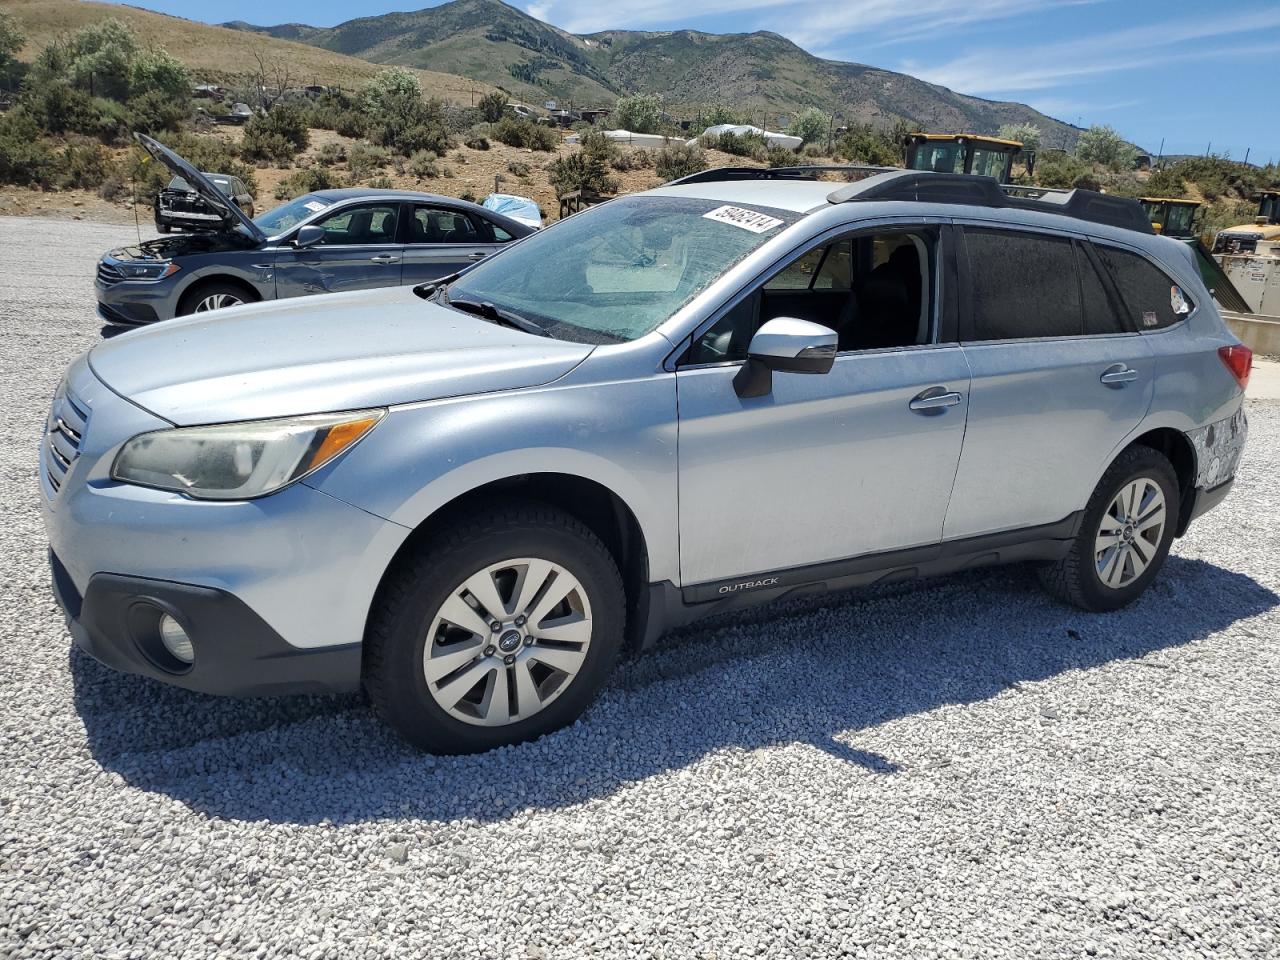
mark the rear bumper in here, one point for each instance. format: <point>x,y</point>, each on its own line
<point>1206,498</point>
<point>236,651</point>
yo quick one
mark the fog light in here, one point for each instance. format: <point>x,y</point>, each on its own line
<point>175,639</point>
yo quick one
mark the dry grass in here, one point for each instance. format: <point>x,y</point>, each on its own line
<point>216,54</point>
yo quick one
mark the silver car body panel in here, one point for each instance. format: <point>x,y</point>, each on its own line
<point>826,467</point>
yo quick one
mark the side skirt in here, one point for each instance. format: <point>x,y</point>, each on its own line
<point>670,606</point>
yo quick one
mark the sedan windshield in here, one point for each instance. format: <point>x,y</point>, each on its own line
<point>617,271</point>
<point>277,221</point>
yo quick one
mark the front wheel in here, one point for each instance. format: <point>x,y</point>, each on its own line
<point>498,629</point>
<point>212,296</point>
<point>1125,535</point>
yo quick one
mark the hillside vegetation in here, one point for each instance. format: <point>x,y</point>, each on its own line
<point>760,74</point>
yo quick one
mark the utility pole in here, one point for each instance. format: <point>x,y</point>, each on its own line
<point>1246,155</point>
<point>1160,155</point>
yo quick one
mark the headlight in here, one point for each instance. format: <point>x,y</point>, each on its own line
<point>147,271</point>
<point>239,461</point>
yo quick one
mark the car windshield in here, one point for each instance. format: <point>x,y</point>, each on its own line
<point>617,271</point>
<point>217,179</point>
<point>277,221</point>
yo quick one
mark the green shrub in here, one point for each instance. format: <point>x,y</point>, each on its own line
<point>581,171</point>
<point>748,144</point>
<point>1027,134</point>
<point>639,114</point>
<point>278,135</point>
<point>811,125</point>
<point>865,144</point>
<point>306,180</point>
<point>381,183</point>
<point>424,165</point>
<point>214,155</point>
<point>364,159</point>
<point>1055,168</point>
<point>519,168</point>
<point>82,163</point>
<point>678,160</point>
<point>458,120</point>
<point>595,144</point>
<point>478,143</point>
<point>637,159</point>
<point>779,156</point>
<point>493,105</point>
<point>156,112</point>
<point>332,153</point>
<point>399,118</point>
<point>24,159</point>
<point>1103,144</point>
<point>518,132</point>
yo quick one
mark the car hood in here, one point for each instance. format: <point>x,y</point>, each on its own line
<point>231,214</point>
<point>324,353</point>
<point>185,244</point>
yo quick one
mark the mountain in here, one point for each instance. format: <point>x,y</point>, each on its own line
<point>762,73</point>
<point>216,54</point>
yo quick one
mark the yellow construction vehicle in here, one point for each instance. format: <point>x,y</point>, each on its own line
<point>1171,217</point>
<point>1246,237</point>
<point>963,153</point>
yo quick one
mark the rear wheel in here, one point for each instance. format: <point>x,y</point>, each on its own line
<point>213,296</point>
<point>1124,537</point>
<point>499,629</point>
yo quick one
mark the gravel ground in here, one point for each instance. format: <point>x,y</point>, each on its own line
<point>956,769</point>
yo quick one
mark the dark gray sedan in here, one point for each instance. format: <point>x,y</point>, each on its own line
<point>324,242</point>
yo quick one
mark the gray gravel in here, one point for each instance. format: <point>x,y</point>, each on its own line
<point>955,769</point>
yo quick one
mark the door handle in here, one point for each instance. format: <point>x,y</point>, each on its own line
<point>935,400</point>
<point>476,256</point>
<point>1117,375</point>
<point>385,258</point>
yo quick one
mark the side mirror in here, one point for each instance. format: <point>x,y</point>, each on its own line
<point>787,345</point>
<point>308,236</point>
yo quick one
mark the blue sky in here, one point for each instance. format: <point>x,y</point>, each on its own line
<point>1191,73</point>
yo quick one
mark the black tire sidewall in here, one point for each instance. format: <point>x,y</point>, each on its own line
<point>192,298</point>
<point>1147,464</point>
<point>408,703</point>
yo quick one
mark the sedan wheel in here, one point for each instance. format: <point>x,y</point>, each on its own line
<point>1130,533</point>
<point>216,301</point>
<point>507,641</point>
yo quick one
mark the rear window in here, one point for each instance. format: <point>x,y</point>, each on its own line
<point>1152,299</point>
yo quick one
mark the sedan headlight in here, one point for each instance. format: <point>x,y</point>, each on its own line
<point>239,461</point>
<point>147,271</point>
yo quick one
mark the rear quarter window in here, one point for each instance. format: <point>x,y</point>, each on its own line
<point>1152,299</point>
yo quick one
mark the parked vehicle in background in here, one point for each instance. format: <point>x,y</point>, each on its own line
<point>329,241</point>
<point>1245,237</point>
<point>178,205</point>
<point>473,495</point>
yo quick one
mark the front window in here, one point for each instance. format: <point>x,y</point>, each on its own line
<point>277,221</point>
<point>1180,220</point>
<point>617,271</point>
<point>938,157</point>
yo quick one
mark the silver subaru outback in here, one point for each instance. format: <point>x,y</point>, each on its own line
<point>471,496</point>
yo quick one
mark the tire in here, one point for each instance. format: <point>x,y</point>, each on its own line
<point>212,296</point>
<point>1094,575</point>
<point>478,694</point>
<point>162,227</point>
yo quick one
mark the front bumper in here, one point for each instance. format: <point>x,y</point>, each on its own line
<point>135,302</point>
<point>236,651</point>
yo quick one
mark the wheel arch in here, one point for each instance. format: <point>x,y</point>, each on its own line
<point>599,508</point>
<point>205,280</point>
<point>1180,452</point>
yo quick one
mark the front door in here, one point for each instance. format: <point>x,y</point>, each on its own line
<point>443,241</point>
<point>359,250</point>
<point>1060,379</point>
<point>831,466</point>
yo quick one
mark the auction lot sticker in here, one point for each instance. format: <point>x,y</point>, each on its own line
<point>741,217</point>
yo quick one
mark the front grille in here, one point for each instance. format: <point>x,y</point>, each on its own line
<point>109,273</point>
<point>64,436</point>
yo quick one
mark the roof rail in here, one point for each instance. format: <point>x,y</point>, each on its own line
<point>967,189</point>
<point>798,172</point>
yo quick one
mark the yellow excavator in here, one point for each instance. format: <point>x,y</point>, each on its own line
<point>1246,237</point>
<point>964,153</point>
<point>1171,217</point>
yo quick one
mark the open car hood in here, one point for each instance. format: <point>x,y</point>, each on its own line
<point>231,214</point>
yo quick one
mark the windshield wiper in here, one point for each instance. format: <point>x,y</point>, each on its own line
<point>497,315</point>
<point>429,289</point>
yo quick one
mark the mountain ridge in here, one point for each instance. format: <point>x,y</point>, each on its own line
<point>761,73</point>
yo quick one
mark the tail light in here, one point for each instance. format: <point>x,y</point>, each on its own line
<point>1239,360</point>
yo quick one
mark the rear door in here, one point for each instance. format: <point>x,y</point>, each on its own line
<point>1060,377</point>
<point>360,250</point>
<point>441,241</point>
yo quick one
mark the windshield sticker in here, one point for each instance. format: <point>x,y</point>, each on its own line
<point>314,206</point>
<point>1149,318</point>
<point>1178,301</point>
<point>741,217</point>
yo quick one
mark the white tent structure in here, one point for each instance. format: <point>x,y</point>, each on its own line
<point>626,136</point>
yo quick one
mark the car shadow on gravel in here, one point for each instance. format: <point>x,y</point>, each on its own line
<point>814,670</point>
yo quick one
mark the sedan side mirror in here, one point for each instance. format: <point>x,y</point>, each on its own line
<point>788,345</point>
<point>308,236</point>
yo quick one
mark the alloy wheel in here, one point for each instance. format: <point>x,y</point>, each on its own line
<point>508,640</point>
<point>1130,533</point>
<point>216,301</point>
